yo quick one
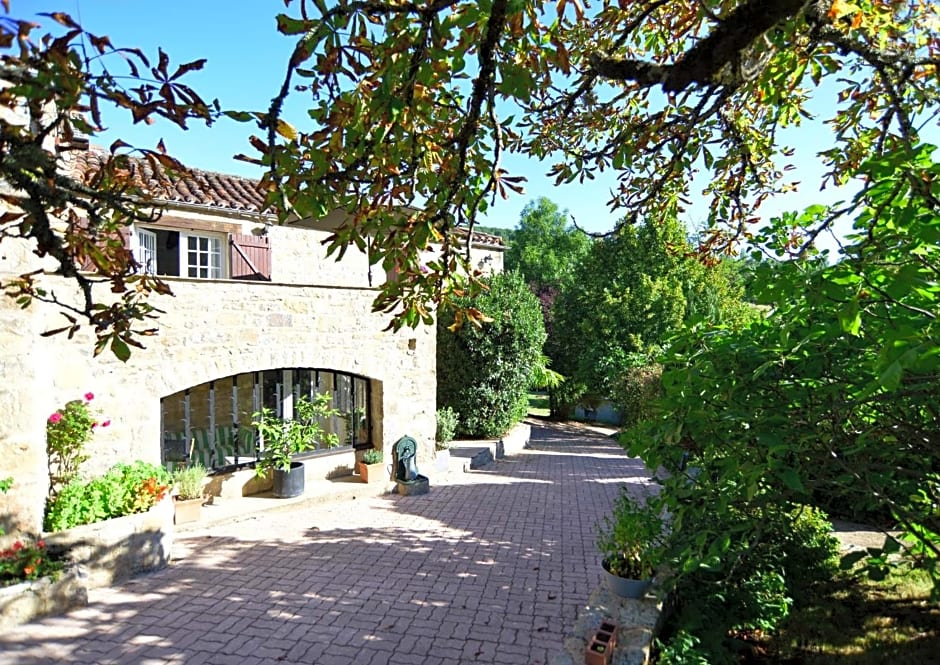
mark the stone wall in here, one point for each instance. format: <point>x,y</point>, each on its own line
<point>210,330</point>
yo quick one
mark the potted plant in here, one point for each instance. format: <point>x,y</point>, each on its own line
<point>189,493</point>
<point>446,429</point>
<point>282,439</point>
<point>370,468</point>
<point>631,541</point>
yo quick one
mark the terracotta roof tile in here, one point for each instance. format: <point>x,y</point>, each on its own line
<point>198,187</point>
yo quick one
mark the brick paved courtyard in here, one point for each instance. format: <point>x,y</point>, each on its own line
<point>490,567</point>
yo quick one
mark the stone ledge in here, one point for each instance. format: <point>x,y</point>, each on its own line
<point>476,454</point>
<point>28,601</point>
<point>117,549</point>
<point>638,621</point>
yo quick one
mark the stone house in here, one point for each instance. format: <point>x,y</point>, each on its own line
<point>259,316</point>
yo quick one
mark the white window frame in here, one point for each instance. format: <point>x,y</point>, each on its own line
<point>146,251</point>
<point>209,269</point>
<point>204,267</point>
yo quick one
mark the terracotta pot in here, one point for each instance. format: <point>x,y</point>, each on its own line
<point>187,510</point>
<point>371,473</point>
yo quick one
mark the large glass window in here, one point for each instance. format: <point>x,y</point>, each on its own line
<point>211,422</point>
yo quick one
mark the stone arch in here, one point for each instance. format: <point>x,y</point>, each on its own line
<point>210,422</point>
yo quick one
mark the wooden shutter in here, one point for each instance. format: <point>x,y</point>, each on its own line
<point>250,257</point>
<point>87,265</point>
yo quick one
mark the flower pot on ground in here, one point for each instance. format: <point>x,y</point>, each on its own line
<point>631,542</point>
<point>371,468</point>
<point>446,429</point>
<point>289,482</point>
<point>189,493</point>
<point>281,439</point>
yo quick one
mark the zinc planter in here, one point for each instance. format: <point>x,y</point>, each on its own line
<point>626,587</point>
<point>288,484</point>
<point>442,460</point>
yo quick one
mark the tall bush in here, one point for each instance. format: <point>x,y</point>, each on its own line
<point>483,373</point>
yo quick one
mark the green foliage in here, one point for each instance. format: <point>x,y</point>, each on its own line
<point>636,391</point>
<point>282,439</point>
<point>632,292</point>
<point>746,581</point>
<point>483,372</point>
<point>55,88</point>
<point>24,561</point>
<point>372,456</point>
<point>68,430</point>
<point>6,484</point>
<point>831,398</point>
<point>189,481</point>
<point>447,420</point>
<point>124,490</point>
<point>545,248</point>
<point>631,538</point>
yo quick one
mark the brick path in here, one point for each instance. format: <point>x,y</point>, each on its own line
<point>490,568</point>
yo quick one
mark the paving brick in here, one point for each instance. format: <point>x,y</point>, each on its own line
<point>489,568</point>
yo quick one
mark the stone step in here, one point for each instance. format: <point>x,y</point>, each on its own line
<point>472,457</point>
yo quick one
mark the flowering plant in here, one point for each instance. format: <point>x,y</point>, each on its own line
<point>25,561</point>
<point>67,431</point>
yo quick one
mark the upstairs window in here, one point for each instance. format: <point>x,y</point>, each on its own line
<point>202,254</point>
<point>204,257</point>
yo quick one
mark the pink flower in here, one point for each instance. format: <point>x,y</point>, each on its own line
<point>89,396</point>
<point>55,417</point>
<point>106,423</point>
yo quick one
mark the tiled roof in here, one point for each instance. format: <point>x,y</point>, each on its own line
<point>198,187</point>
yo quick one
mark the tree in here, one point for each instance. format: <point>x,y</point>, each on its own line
<point>484,372</point>
<point>414,104</point>
<point>544,248</point>
<point>632,292</point>
<point>53,91</point>
<point>830,400</point>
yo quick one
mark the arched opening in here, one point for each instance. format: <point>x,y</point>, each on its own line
<point>211,423</point>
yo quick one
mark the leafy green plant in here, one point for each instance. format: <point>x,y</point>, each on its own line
<point>631,538</point>
<point>68,431</point>
<point>125,489</point>
<point>372,456</point>
<point>282,439</point>
<point>446,427</point>
<point>189,481</point>
<point>24,561</point>
<point>483,372</point>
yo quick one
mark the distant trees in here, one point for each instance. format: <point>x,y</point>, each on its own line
<point>632,291</point>
<point>545,248</point>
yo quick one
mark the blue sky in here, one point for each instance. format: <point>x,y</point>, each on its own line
<point>246,60</point>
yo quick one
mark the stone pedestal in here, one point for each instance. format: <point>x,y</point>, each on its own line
<point>419,485</point>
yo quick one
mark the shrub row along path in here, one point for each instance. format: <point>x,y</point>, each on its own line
<point>491,567</point>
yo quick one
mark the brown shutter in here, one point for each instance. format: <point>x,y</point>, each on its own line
<point>250,257</point>
<point>81,226</point>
